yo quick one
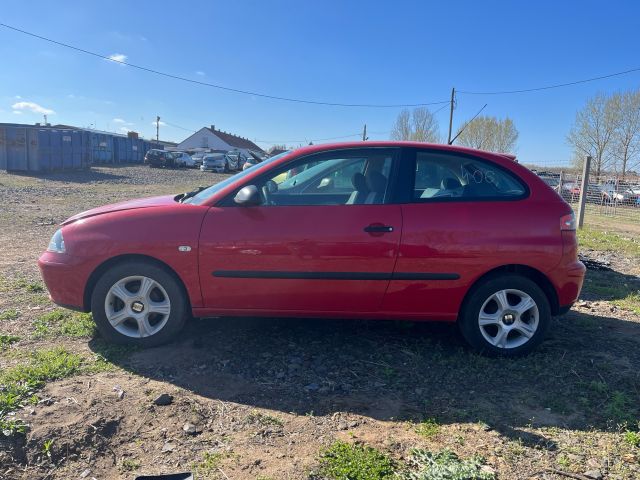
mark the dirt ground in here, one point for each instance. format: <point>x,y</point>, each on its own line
<point>261,398</point>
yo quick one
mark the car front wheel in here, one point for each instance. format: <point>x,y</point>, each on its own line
<point>138,303</point>
<point>507,315</point>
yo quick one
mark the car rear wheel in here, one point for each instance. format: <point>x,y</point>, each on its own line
<point>507,315</point>
<point>138,303</point>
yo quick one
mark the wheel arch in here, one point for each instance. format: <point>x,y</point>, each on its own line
<point>104,266</point>
<point>526,271</point>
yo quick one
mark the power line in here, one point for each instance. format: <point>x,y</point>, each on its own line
<point>212,85</point>
<point>273,142</point>
<point>549,87</point>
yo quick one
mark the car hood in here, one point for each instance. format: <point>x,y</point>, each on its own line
<point>128,205</point>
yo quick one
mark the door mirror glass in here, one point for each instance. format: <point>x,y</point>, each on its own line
<point>248,196</point>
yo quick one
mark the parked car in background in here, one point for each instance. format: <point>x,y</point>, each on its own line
<point>254,160</point>
<point>610,193</point>
<point>377,230</point>
<point>197,159</point>
<point>215,162</point>
<point>182,159</point>
<point>632,195</point>
<point>235,160</point>
<point>159,158</point>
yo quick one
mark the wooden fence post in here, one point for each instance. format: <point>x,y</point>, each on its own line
<point>584,187</point>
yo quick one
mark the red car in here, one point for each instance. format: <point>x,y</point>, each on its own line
<point>377,230</point>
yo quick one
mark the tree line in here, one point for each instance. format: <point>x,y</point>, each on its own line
<point>607,129</point>
<point>483,132</point>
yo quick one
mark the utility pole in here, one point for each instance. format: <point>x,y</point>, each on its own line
<point>453,94</point>
<point>45,119</point>
<point>158,128</point>
<point>364,133</point>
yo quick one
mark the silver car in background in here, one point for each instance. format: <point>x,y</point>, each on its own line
<point>215,162</point>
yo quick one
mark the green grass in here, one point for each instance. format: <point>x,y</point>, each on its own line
<point>632,438</point>
<point>64,323</point>
<point>445,465</point>
<point>608,242</point>
<point>344,461</point>
<point>428,428</point>
<point>31,287</point>
<point>18,384</point>
<point>11,314</point>
<point>7,340</point>
<point>622,290</point>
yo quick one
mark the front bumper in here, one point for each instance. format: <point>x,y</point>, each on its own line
<point>64,280</point>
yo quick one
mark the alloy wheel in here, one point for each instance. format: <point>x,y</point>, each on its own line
<point>137,306</point>
<point>509,318</point>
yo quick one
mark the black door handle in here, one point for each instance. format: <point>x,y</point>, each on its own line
<point>378,229</point>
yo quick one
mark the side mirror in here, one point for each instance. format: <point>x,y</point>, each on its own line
<point>248,196</point>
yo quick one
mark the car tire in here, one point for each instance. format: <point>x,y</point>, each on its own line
<point>495,321</point>
<point>126,316</point>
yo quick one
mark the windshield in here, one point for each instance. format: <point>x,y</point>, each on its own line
<point>205,194</point>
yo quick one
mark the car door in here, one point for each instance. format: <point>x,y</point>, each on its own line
<point>461,218</point>
<point>315,245</point>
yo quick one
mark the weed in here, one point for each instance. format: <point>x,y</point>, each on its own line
<point>355,462</point>
<point>46,447</point>
<point>263,419</point>
<point>7,340</point>
<point>446,465</point>
<point>11,314</point>
<point>31,287</point>
<point>619,408</point>
<point>209,464</point>
<point>428,428</point>
<point>11,427</point>
<point>563,460</point>
<point>129,465</point>
<point>632,438</point>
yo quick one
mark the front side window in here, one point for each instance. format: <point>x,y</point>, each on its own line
<point>440,176</point>
<point>341,178</point>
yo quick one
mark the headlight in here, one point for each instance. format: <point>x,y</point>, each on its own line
<point>56,244</point>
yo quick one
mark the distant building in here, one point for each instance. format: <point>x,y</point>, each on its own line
<point>211,139</point>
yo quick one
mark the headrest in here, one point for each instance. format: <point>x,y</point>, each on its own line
<point>376,182</point>
<point>450,183</point>
<point>359,182</point>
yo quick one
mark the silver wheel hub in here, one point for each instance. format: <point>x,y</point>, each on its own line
<point>137,306</point>
<point>509,318</point>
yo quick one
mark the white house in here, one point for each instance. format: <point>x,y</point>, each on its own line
<point>212,139</point>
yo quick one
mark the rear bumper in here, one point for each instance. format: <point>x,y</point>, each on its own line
<point>568,280</point>
<point>63,279</point>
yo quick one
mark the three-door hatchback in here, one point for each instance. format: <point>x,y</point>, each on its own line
<point>376,230</point>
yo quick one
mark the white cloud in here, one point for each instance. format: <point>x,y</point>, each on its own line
<point>119,120</point>
<point>124,129</point>
<point>18,97</point>
<point>33,107</point>
<point>162,124</point>
<point>118,58</point>
<point>201,73</point>
<point>17,112</point>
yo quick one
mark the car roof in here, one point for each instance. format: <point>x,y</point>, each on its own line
<point>393,143</point>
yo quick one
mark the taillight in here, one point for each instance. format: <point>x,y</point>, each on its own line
<point>568,222</point>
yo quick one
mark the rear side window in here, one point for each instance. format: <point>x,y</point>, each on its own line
<point>440,176</point>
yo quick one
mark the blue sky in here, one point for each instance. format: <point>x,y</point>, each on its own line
<point>334,51</point>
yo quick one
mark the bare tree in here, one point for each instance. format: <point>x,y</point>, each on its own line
<point>626,137</point>
<point>489,133</point>
<point>420,125</point>
<point>593,131</point>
